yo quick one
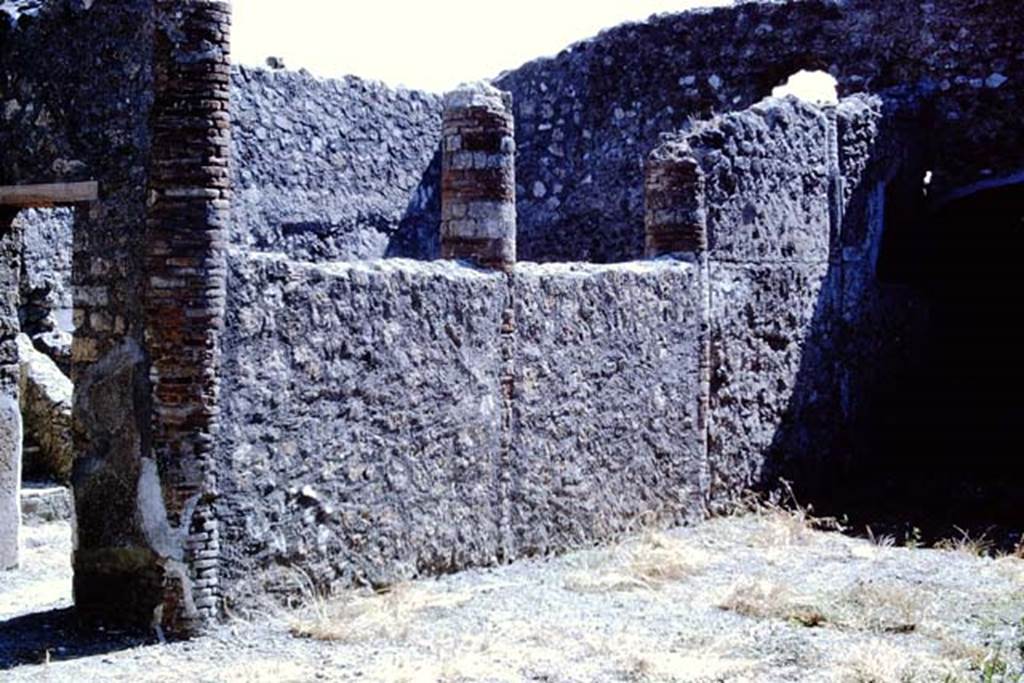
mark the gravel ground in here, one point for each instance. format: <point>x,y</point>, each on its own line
<point>755,598</point>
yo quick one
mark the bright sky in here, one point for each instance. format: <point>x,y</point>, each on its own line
<point>425,44</point>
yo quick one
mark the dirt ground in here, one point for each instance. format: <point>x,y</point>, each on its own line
<point>760,597</point>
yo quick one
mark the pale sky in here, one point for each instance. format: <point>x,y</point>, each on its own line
<point>425,44</point>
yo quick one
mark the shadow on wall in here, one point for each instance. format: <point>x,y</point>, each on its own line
<point>417,235</point>
<point>903,412</point>
<point>942,430</point>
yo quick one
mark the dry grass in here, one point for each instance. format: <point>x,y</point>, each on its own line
<point>358,616</point>
<point>869,606</point>
<point>765,599</point>
<point>673,666</point>
<point>881,662</point>
<point>881,607</point>
<point>975,547</point>
<point>648,563</point>
<point>956,649</point>
<point>785,522</point>
<point>880,540</point>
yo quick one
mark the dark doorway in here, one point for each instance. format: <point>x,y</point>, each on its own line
<point>946,429</point>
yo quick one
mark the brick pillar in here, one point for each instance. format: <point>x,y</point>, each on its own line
<point>675,220</point>
<point>478,187</point>
<point>187,221</point>
<point>10,413</point>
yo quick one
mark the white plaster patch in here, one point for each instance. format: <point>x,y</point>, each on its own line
<point>165,540</point>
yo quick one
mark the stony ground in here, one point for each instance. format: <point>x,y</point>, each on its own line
<point>761,597</point>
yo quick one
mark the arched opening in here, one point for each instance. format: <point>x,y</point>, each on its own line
<point>819,87</point>
<point>945,432</point>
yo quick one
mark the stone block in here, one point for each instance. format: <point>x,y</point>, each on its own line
<point>10,479</point>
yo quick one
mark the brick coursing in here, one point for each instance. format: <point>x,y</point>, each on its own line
<point>478,202</point>
<point>187,221</point>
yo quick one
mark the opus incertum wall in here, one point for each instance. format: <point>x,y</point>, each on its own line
<point>377,420</point>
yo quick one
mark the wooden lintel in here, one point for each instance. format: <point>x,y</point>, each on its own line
<point>42,196</point>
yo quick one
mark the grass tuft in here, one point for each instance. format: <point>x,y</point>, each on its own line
<point>766,599</point>
<point>981,546</point>
<point>648,563</point>
<point>358,616</point>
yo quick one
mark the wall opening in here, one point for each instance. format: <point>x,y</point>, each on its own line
<point>819,87</point>
<point>45,326</point>
<point>945,432</point>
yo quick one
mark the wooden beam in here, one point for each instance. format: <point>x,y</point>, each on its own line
<point>42,196</point>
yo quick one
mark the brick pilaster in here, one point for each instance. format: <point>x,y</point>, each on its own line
<point>186,228</point>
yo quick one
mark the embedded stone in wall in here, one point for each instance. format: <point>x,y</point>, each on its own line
<point>478,204</point>
<point>10,478</point>
<point>45,306</point>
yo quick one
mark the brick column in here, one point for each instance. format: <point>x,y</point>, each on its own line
<point>675,220</point>
<point>186,228</point>
<point>478,186</point>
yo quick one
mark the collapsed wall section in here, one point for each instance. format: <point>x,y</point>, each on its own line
<point>388,419</point>
<point>334,169</point>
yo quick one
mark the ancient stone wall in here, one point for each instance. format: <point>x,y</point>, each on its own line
<point>388,419</point>
<point>134,96</point>
<point>76,87</point>
<point>10,414</point>
<point>606,430</point>
<point>880,321</point>
<point>803,325</point>
<point>46,268</point>
<point>587,118</point>
<point>362,418</point>
<point>349,169</point>
<point>765,180</point>
<point>334,169</point>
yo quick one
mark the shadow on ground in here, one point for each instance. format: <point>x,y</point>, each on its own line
<point>59,635</point>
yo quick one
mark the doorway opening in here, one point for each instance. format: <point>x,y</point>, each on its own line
<point>945,433</point>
